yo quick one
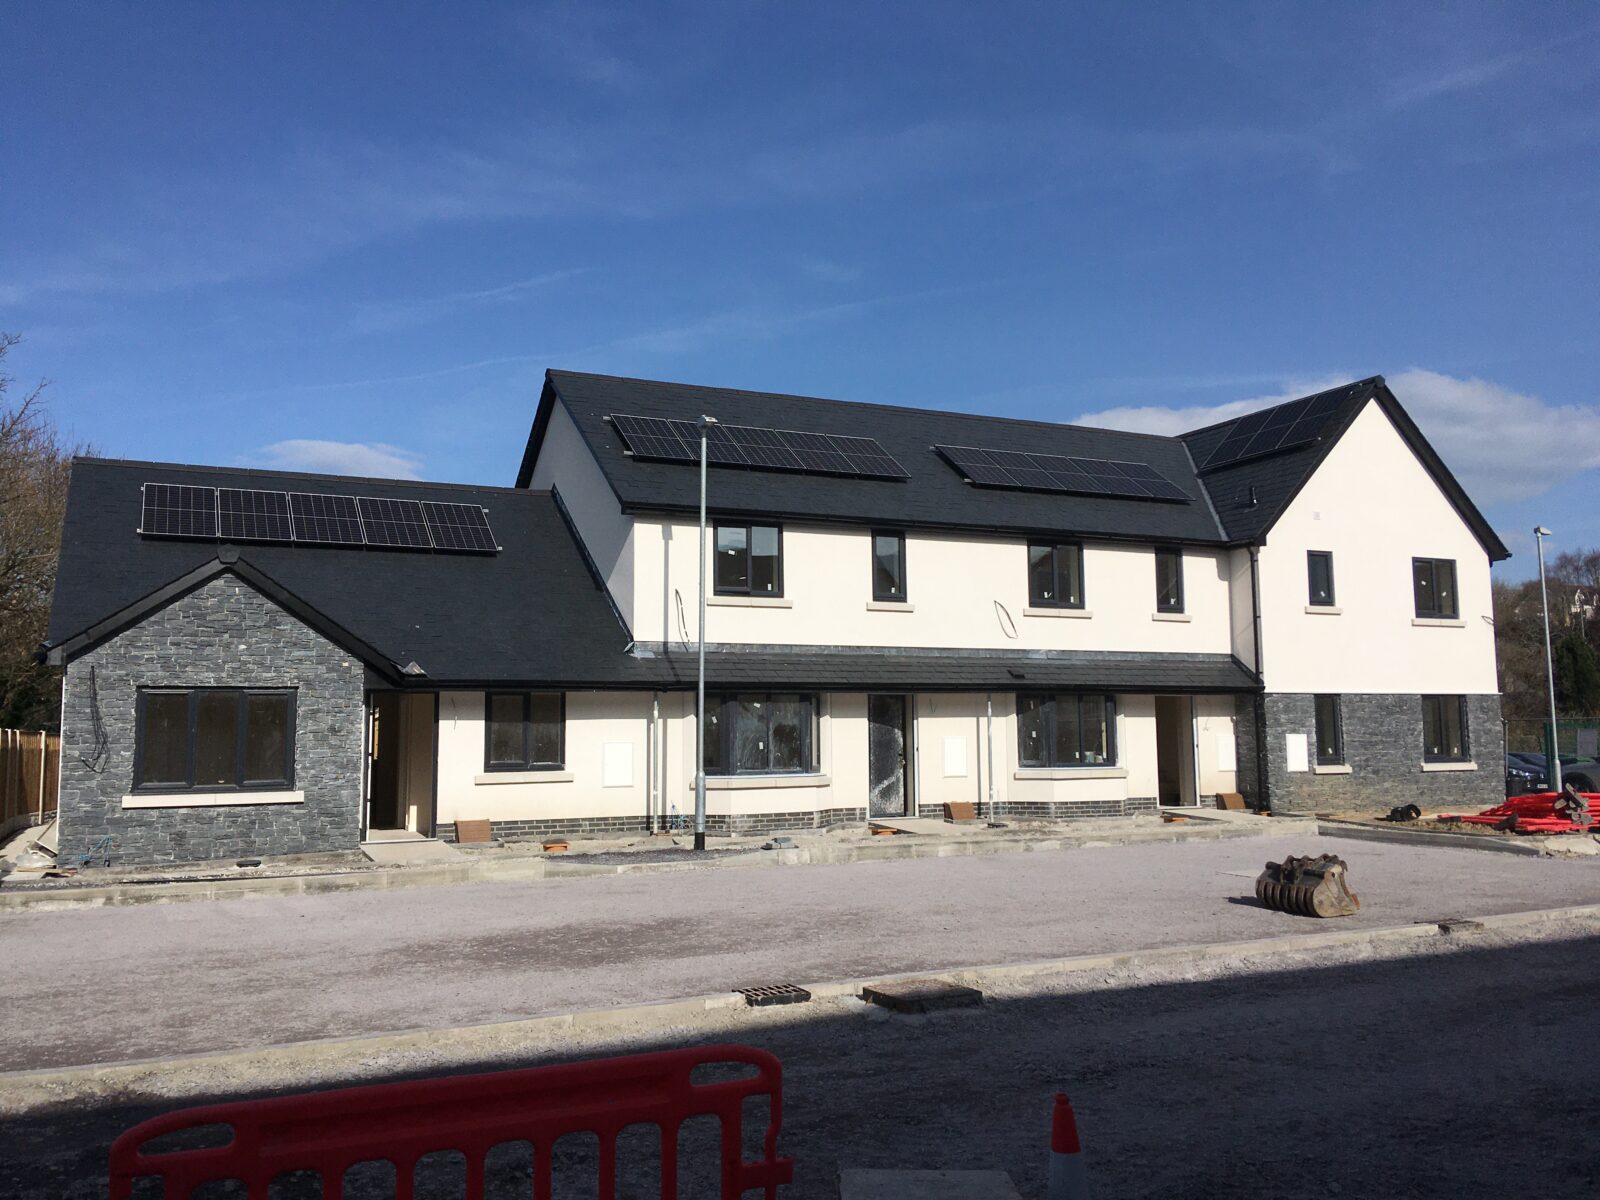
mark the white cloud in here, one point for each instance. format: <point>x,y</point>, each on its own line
<point>375,459</point>
<point>1503,445</point>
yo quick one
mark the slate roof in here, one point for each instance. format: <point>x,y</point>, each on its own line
<point>1223,511</point>
<point>533,611</point>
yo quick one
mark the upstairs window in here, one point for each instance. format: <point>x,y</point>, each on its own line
<point>1433,583</point>
<point>1055,575</point>
<point>1169,580</point>
<point>1444,729</point>
<point>888,566</point>
<point>526,731</point>
<point>214,739</point>
<point>761,734</point>
<point>749,560</point>
<point>1319,577</point>
<point>1069,730</point>
<point>1330,731</point>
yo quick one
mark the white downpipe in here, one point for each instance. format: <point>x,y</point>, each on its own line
<point>653,762</point>
<point>988,729</point>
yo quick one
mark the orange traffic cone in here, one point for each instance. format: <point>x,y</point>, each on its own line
<point>1069,1180</point>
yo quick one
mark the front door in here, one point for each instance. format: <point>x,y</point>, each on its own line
<point>886,756</point>
<point>383,780</point>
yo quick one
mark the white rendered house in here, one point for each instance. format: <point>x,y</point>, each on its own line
<point>906,608</point>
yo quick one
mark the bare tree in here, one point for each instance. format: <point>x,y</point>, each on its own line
<point>34,465</point>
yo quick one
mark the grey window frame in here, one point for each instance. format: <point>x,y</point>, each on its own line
<point>1433,566</point>
<point>1176,554</point>
<point>1312,556</point>
<point>721,763</point>
<point>242,696</point>
<point>749,528</point>
<point>900,565</point>
<point>1337,714</point>
<point>1055,549</point>
<point>1049,719</point>
<point>525,763</point>
<point>1459,703</point>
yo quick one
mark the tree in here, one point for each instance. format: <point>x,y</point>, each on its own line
<point>34,466</point>
<point>1577,676</point>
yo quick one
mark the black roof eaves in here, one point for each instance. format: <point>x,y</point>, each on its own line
<point>1023,422</point>
<point>1216,517</point>
<point>268,473</point>
<point>595,576</point>
<point>541,423</point>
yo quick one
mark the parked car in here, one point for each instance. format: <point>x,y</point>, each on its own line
<point>1528,772</point>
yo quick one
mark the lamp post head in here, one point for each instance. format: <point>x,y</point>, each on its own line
<point>705,420</point>
<point>1541,531</point>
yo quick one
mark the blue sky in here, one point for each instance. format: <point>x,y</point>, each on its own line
<point>353,237</point>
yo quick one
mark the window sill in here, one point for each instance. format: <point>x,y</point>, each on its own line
<point>1330,769</point>
<point>1449,766</point>
<point>1166,616</point>
<point>749,602</point>
<point>716,783</point>
<point>1323,610</point>
<point>890,606</point>
<point>1070,773</point>
<point>1440,622</point>
<point>1075,614</point>
<point>209,799</point>
<point>490,777</point>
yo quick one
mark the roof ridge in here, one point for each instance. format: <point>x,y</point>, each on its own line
<point>874,404</point>
<point>268,472</point>
<point>1369,381</point>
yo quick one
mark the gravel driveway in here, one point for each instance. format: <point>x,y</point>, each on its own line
<point>137,982</point>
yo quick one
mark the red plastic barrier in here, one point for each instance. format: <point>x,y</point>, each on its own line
<point>330,1132</point>
<point>1535,813</point>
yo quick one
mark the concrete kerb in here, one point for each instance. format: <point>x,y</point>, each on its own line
<point>1422,837</point>
<point>22,1090</point>
<point>520,870</point>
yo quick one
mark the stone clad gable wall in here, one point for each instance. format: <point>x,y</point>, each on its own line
<point>222,634</point>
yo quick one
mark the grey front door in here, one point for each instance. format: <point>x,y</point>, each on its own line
<point>886,756</point>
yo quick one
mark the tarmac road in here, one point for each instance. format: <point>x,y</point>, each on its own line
<point>99,985</point>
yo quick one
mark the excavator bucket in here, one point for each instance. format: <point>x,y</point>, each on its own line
<point>1307,887</point>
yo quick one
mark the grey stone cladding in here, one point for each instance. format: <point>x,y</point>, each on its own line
<point>222,634</point>
<point>1383,748</point>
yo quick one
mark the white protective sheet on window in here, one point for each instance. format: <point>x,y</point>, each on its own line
<point>1296,747</point>
<point>955,758</point>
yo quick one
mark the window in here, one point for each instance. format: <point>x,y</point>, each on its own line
<point>1433,581</point>
<point>760,735</point>
<point>1444,729</point>
<point>749,560</point>
<point>1069,730</point>
<point>1330,731</point>
<point>526,731</point>
<point>888,566</point>
<point>1319,577</point>
<point>1169,581</point>
<point>1055,575</point>
<point>214,739</point>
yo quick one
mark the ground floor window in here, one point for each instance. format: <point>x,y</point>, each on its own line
<point>213,739</point>
<point>1444,729</point>
<point>761,734</point>
<point>526,731</point>
<point>1330,731</point>
<point>1069,730</point>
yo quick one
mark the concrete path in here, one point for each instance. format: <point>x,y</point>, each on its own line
<point>110,984</point>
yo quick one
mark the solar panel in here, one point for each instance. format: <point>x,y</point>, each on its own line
<point>458,526</point>
<point>325,519</point>
<point>179,510</point>
<point>247,515</point>
<point>1060,473</point>
<point>1283,427</point>
<point>393,523</point>
<point>757,447</point>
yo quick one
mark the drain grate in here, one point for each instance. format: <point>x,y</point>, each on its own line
<point>773,993</point>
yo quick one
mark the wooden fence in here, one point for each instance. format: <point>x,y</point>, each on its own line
<point>30,773</point>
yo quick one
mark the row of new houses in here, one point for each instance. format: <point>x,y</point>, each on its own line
<point>906,608</point>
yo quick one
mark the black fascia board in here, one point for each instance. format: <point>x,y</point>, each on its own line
<point>541,423</point>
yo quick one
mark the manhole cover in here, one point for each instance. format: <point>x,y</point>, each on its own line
<point>922,996</point>
<point>773,993</point>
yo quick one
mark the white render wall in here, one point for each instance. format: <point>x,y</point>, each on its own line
<point>1374,505</point>
<point>963,592</point>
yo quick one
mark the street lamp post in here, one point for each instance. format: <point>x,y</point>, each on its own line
<point>700,671</point>
<point>1554,772</point>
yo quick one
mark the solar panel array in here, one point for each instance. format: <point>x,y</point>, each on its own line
<point>1061,473</point>
<point>757,448</point>
<point>1273,429</point>
<point>181,510</point>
